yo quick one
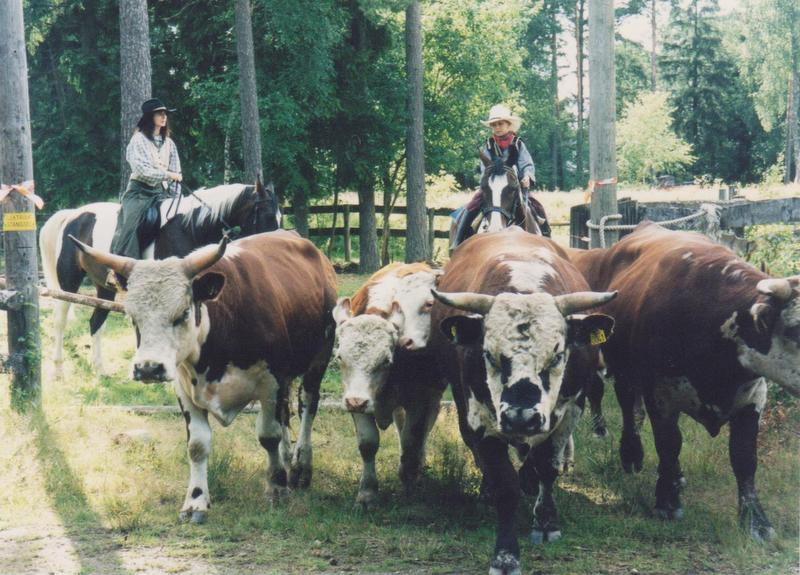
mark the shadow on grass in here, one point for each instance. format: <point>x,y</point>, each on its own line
<point>93,544</point>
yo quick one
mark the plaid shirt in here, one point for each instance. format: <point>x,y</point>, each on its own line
<point>150,161</point>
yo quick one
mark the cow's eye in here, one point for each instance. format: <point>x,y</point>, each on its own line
<point>426,307</point>
<point>182,318</point>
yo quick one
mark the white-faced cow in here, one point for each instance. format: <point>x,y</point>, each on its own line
<point>697,329</point>
<point>519,357</point>
<point>231,330</point>
<point>388,372</point>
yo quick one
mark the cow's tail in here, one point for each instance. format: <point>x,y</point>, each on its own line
<point>50,239</point>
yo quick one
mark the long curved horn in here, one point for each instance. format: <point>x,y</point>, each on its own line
<point>122,265</point>
<point>203,258</point>
<point>780,288</point>
<point>582,300</point>
<point>468,301</point>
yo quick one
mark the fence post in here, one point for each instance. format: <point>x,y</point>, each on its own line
<point>19,219</point>
<point>347,233</point>
<point>431,230</point>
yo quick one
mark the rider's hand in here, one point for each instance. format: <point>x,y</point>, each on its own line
<point>175,176</point>
<point>526,182</point>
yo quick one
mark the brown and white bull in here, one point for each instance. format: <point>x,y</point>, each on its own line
<point>388,373</point>
<point>697,330</point>
<point>520,359</point>
<point>229,327</point>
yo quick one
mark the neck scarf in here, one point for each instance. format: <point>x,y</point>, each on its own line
<point>504,142</point>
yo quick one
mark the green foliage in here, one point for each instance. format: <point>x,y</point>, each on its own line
<point>646,142</point>
<point>713,109</point>
<point>777,247</point>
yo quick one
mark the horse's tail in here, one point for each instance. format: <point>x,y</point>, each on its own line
<point>50,238</point>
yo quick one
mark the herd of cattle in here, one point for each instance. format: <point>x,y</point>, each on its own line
<point>518,326</point>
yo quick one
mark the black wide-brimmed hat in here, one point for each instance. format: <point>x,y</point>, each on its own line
<point>154,105</point>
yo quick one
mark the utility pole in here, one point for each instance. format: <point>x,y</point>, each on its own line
<point>602,97</point>
<point>20,298</point>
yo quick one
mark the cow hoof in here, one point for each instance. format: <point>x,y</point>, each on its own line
<point>299,478</point>
<point>365,500</point>
<point>199,517</point>
<point>762,533</point>
<point>669,514</point>
<point>600,432</point>
<point>568,467</point>
<point>278,496</point>
<point>505,564</point>
<point>539,536</point>
<point>184,516</point>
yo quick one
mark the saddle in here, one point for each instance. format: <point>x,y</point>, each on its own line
<point>152,222</point>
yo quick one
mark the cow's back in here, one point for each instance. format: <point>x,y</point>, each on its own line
<point>276,305</point>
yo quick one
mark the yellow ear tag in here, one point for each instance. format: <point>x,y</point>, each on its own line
<point>597,337</point>
<point>453,331</point>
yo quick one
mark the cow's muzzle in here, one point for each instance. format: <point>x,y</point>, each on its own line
<point>356,404</point>
<point>522,421</point>
<point>149,371</point>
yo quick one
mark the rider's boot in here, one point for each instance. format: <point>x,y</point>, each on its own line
<point>464,225</point>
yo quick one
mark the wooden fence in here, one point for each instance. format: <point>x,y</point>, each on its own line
<point>346,230</point>
<point>734,214</point>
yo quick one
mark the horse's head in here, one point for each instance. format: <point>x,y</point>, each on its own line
<point>502,203</point>
<point>259,212</point>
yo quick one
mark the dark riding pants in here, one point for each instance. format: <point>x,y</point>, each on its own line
<point>136,201</point>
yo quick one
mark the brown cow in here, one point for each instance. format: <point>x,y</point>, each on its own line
<point>231,330</point>
<point>387,371</point>
<point>519,359</point>
<point>697,331</point>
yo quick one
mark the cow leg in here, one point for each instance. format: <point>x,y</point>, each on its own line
<point>566,462</point>
<point>272,435</point>
<point>419,421</point>
<point>743,448</point>
<point>198,441</point>
<point>630,445</point>
<point>668,440</point>
<point>368,443</point>
<point>500,473</point>
<point>59,326</point>
<point>595,391</point>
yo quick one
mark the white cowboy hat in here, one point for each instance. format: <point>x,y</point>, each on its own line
<point>501,112</point>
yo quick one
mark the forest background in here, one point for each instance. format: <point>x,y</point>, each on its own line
<point>717,97</point>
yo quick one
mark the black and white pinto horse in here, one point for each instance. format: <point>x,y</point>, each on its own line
<point>194,221</point>
<point>503,201</point>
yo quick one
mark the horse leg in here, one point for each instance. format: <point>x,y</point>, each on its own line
<point>95,325</point>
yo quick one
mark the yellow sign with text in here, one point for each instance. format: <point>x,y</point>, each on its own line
<point>19,222</point>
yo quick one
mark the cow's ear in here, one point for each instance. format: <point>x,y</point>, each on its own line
<point>463,329</point>
<point>594,329</point>
<point>207,286</point>
<point>342,312</point>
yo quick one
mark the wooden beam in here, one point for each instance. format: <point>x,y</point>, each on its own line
<point>75,298</point>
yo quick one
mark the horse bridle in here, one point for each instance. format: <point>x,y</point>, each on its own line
<point>510,218</point>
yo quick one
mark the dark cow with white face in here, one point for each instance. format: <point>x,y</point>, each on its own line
<point>520,357</point>
<point>388,374</point>
<point>231,330</point>
<point>697,330</point>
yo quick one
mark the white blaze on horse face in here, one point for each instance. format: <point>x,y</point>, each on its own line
<point>525,345</point>
<point>365,354</point>
<point>160,304</point>
<point>413,294</point>
<point>496,184</point>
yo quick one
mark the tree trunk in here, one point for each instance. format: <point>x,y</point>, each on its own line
<point>135,73</point>
<point>300,211</point>
<point>792,146</point>
<point>653,54</point>
<point>367,236</point>
<point>248,95</point>
<point>555,140</point>
<point>579,141</point>
<point>416,221</point>
<point>16,166</point>
<point>788,144</point>
<point>602,90</point>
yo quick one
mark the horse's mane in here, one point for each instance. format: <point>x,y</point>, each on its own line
<point>219,203</point>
